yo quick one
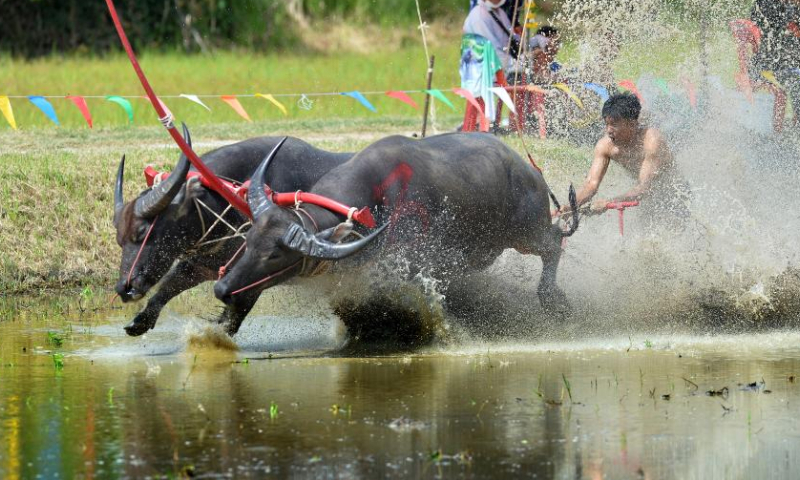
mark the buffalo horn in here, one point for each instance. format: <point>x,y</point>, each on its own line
<point>162,194</point>
<point>119,200</point>
<point>301,240</point>
<point>257,199</point>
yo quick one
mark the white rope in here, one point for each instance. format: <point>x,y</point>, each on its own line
<point>237,232</point>
<point>167,121</point>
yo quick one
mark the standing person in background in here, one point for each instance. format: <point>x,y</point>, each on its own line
<point>779,52</point>
<point>490,21</point>
<point>544,47</point>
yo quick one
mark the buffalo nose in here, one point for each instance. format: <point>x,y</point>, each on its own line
<point>222,293</point>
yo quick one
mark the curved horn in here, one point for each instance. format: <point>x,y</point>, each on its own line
<point>119,200</point>
<point>162,194</point>
<point>258,201</point>
<point>301,240</point>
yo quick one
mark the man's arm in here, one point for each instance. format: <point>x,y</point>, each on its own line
<point>656,156</point>
<point>602,157</point>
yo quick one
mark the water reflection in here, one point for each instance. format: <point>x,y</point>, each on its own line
<point>604,409</point>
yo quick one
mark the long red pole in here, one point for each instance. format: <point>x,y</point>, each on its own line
<point>166,120</point>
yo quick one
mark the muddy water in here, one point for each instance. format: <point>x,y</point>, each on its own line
<point>86,401</point>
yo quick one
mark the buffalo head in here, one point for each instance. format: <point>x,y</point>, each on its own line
<point>164,214</point>
<point>278,244</point>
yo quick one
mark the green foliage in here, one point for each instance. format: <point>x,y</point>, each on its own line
<point>40,27</point>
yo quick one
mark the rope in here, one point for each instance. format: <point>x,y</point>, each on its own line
<point>139,253</point>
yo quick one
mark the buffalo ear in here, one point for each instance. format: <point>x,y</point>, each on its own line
<point>193,190</point>
<point>336,234</point>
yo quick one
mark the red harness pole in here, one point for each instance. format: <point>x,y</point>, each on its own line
<point>166,120</point>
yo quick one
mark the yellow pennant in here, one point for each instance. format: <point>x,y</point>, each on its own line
<point>5,107</point>
<point>274,102</point>
<point>771,78</point>
<point>564,88</point>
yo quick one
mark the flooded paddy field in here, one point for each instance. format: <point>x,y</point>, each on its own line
<point>79,399</point>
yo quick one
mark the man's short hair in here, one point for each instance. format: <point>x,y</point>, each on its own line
<point>547,31</point>
<point>623,106</point>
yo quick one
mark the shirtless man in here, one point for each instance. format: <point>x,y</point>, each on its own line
<point>642,152</point>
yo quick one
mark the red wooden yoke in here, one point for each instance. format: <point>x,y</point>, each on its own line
<point>362,216</point>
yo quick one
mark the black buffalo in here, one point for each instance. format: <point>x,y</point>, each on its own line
<point>180,221</point>
<point>453,202</point>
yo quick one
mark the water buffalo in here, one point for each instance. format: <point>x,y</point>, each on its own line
<point>454,203</point>
<point>176,217</point>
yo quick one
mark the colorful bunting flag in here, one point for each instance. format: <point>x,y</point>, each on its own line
<point>438,94</point>
<point>43,105</point>
<point>770,76</point>
<point>535,89</point>
<point>195,99</point>
<point>8,112</point>
<point>360,98</point>
<point>598,89</point>
<point>564,88</point>
<point>502,94</point>
<point>125,104</point>
<point>80,102</point>
<point>272,100</point>
<point>403,97</point>
<point>662,84</point>
<point>236,106</point>
<point>471,99</point>
<point>631,87</point>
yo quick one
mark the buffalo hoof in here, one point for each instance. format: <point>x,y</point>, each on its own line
<point>141,324</point>
<point>554,302</point>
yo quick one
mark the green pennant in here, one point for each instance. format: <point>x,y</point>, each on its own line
<point>438,94</point>
<point>125,104</point>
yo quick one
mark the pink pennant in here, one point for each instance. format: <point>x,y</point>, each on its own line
<point>471,99</point>
<point>80,102</point>
<point>691,91</point>
<point>236,106</point>
<point>163,105</point>
<point>403,97</point>
<point>631,87</point>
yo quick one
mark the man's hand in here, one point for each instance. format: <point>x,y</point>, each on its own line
<point>598,206</point>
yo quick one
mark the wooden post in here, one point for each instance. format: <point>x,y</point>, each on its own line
<point>427,97</point>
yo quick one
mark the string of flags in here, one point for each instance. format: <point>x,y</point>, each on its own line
<point>43,103</point>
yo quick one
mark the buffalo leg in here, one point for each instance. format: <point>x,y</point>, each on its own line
<point>235,312</point>
<point>182,277</point>
<point>552,298</point>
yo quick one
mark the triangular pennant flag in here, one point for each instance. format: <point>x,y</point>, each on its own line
<point>535,89</point>
<point>45,107</point>
<point>236,106</point>
<point>662,84</point>
<point>163,105</point>
<point>770,76</point>
<point>360,98</point>
<point>598,89</point>
<point>564,88</point>
<point>691,91</point>
<point>505,98</point>
<point>272,100</point>
<point>631,87</point>
<point>471,99</point>
<point>80,102</point>
<point>124,103</point>
<point>195,99</point>
<point>5,107</point>
<point>403,97</point>
<point>438,94</point>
